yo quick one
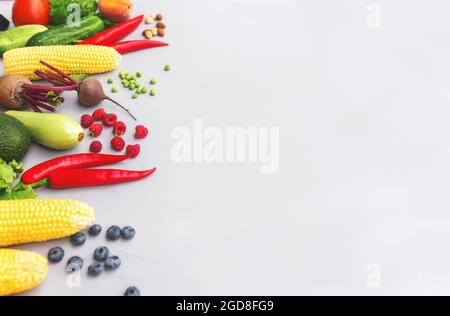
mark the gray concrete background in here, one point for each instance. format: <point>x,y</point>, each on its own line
<point>361,196</point>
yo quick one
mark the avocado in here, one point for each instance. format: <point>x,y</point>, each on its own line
<point>15,139</point>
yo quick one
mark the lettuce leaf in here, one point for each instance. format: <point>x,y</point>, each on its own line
<point>8,173</point>
<point>59,13</point>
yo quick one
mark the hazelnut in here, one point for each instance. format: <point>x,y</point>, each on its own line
<point>155,32</point>
<point>159,17</point>
<point>148,34</point>
<point>161,32</point>
<point>160,25</point>
<point>149,20</point>
<point>154,16</point>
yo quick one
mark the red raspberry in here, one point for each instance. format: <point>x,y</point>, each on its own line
<point>95,129</point>
<point>141,131</point>
<point>99,114</point>
<point>133,150</point>
<point>86,120</point>
<point>117,143</point>
<point>119,128</point>
<point>110,119</point>
<point>96,147</point>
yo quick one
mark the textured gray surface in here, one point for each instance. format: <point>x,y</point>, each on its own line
<point>364,154</point>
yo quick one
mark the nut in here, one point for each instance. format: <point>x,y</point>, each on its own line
<point>159,17</point>
<point>149,20</point>
<point>160,25</point>
<point>155,32</point>
<point>148,34</point>
<point>161,32</point>
<point>154,16</point>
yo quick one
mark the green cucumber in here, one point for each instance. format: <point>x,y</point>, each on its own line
<point>67,35</point>
<point>18,37</point>
<point>55,131</point>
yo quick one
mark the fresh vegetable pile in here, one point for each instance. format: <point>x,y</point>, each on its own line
<point>47,44</point>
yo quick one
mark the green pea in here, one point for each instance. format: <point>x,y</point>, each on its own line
<point>167,68</point>
<point>135,96</point>
<point>132,86</point>
<point>143,90</point>
<point>114,90</point>
<point>110,80</point>
<point>153,92</point>
<point>133,78</point>
<point>128,76</point>
<point>126,84</point>
<point>139,74</point>
<point>153,81</point>
<point>137,84</point>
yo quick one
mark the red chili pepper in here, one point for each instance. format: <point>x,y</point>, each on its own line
<point>131,46</point>
<point>66,179</point>
<point>43,170</point>
<point>114,33</point>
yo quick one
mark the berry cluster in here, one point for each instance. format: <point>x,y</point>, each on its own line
<point>96,123</point>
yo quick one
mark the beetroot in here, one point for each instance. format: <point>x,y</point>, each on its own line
<point>90,90</point>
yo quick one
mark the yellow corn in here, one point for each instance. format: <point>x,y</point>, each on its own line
<point>77,59</point>
<point>20,271</point>
<point>36,220</point>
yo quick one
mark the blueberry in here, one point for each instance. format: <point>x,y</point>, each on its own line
<point>101,254</point>
<point>132,291</point>
<point>95,230</point>
<point>112,263</point>
<point>95,269</point>
<point>113,233</point>
<point>55,255</point>
<point>74,264</point>
<point>78,239</point>
<point>128,232</point>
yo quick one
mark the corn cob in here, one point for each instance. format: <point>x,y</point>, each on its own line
<point>78,59</point>
<point>36,220</point>
<point>20,271</point>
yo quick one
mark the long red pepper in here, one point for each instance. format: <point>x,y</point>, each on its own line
<point>88,160</point>
<point>114,33</point>
<point>66,179</point>
<point>131,46</point>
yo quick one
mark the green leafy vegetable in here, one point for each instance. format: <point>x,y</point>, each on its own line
<point>8,173</point>
<point>59,9</point>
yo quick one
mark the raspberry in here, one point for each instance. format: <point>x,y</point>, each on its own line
<point>96,147</point>
<point>99,114</point>
<point>95,129</point>
<point>117,143</point>
<point>133,150</point>
<point>86,120</point>
<point>141,131</point>
<point>110,119</point>
<point>119,128</point>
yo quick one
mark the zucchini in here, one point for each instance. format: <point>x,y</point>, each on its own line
<point>66,35</point>
<point>18,37</point>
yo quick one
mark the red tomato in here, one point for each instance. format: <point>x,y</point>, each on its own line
<point>31,12</point>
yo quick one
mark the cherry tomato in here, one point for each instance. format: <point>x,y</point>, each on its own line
<point>31,12</point>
